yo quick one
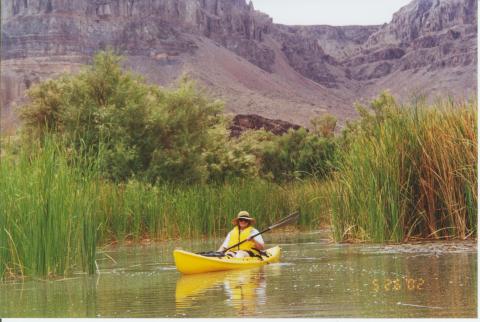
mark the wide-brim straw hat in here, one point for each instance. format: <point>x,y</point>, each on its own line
<point>243,215</point>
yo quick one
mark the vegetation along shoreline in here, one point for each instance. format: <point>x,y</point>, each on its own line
<point>104,156</point>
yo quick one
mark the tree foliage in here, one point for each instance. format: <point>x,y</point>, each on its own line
<point>298,154</point>
<point>136,130</point>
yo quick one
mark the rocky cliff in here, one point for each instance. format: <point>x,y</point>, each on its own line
<point>38,28</point>
<point>425,36</point>
<point>430,46</point>
<point>239,55</point>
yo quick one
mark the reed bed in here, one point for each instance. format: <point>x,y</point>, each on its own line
<point>55,211</point>
<point>137,210</point>
<point>47,215</point>
<point>411,175</point>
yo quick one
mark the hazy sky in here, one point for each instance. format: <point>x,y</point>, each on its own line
<point>330,12</point>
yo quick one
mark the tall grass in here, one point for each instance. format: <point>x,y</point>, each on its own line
<point>411,173</point>
<point>136,210</point>
<point>46,214</point>
<point>55,210</point>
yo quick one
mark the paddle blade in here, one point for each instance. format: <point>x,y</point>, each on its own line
<point>287,220</point>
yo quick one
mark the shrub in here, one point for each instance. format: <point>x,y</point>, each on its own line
<point>324,125</point>
<point>132,128</point>
<point>298,154</point>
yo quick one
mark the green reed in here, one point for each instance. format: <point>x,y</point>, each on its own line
<point>136,210</point>
<point>55,210</point>
<point>46,214</point>
<point>413,174</point>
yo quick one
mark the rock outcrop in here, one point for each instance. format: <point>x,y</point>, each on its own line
<point>244,122</point>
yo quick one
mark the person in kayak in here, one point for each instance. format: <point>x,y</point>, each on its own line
<point>243,230</point>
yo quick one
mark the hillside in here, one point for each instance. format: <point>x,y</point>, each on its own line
<point>239,55</point>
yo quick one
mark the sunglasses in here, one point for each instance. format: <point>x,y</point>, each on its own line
<point>244,220</point>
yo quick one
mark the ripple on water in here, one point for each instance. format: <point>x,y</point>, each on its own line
<point>281,264</point>
<point>311,280</point>
<point>428,248</point>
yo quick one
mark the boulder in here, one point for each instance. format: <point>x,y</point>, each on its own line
<point>244,122</point>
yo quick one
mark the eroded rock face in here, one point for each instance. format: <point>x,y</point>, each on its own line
<point>244,122</point>
<point>307,57</point>
<point>37,28</point>
<point>426,34</point>
<point>340,42</point>
<point>425,18</point>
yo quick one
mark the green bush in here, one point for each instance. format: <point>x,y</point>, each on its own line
<point>297,155</point>
<point>228,159</point>
<point>324,125</point>
<point>135,130</point>
<point>132,128</point>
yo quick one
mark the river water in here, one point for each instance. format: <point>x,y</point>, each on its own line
<point>315,278</point>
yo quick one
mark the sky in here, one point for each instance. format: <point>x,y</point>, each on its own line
<point>330,12</point>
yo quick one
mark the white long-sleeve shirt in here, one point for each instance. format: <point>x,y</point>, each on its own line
<point>258,238</point>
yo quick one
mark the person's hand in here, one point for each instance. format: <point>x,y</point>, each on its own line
<point>249,238</point>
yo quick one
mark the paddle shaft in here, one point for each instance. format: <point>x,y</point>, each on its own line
<point>282,222</point>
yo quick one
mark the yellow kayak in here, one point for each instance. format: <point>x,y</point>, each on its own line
<point>191,263</point>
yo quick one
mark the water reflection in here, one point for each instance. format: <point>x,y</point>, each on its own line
<point>313,279</point>
<point>243,290</point>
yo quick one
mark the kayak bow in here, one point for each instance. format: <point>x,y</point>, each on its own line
<point>191,263</point>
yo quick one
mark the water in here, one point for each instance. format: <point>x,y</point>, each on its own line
<point>315,278</point>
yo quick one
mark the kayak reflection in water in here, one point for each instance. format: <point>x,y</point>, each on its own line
<point>243,230</point>
<point>246,292</point>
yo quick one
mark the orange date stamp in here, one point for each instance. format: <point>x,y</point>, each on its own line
<point>397,284</point>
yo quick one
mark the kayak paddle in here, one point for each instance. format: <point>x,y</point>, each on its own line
<point>287,220</point>
<point>290,218</point>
